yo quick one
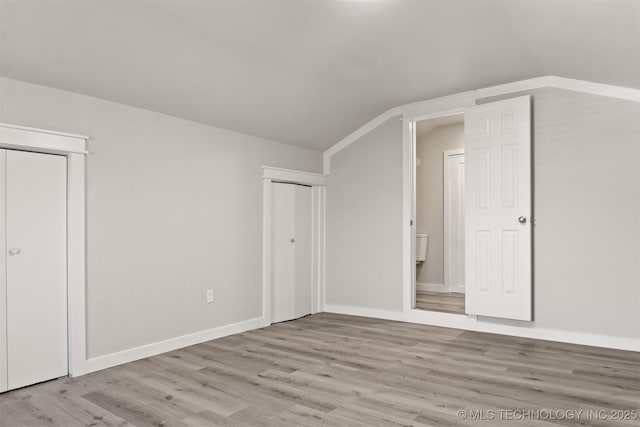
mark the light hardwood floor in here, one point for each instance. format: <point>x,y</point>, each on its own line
<point>447,302</point>
<point>329,369</point>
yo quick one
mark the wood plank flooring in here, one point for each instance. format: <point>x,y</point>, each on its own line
<point>447,302</point>
<point>337,370</point>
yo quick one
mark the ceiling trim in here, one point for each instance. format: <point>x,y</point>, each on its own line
<point>434,106</point>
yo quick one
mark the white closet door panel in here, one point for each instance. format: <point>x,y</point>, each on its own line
<point>282,252</point>
<point>498,205</point>
<point>36,267</point>
<point>3,276</point>
<point>303,250</point>
<point>291,251</point>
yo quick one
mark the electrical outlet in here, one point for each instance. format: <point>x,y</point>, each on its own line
<point>209,296</point>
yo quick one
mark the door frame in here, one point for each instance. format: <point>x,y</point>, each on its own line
<point>74,148</point>
<point>447,220</point>
<point>317,182</point>
<point>409,141</point>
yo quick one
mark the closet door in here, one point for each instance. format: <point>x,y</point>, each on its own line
<point>36,277</point>
<point>290,252</point>
<point>302,265</point>
<point>3,275</point>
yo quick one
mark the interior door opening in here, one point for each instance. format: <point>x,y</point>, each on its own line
<point>439,214</point>
<point>473,210</point>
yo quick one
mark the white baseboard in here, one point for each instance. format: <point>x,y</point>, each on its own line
<point>423,317</point>
<point>469,323</point>
<point>430,287</point>
<point>137,353</point>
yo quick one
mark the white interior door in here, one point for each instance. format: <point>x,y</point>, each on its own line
<point>35,248</point>
<point>291,241</point>
<point>3,268</point>
<point>498,209</point>
<point>454,219</point>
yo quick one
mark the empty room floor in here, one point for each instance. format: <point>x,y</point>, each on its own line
<point>447,302</point>
<point>329,369</point>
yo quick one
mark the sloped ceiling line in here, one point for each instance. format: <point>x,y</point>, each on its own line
<point>419,110</point>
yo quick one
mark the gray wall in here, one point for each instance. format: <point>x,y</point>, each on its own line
<point>430,196</point>
<point>363,240</point>
<point>174,208</point>
<point>587,211</point>
<point>586,208</point>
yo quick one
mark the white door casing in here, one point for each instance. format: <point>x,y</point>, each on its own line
<point>454,220</point>
<point>36,267</point>
<point>498,232</point>
<point>291,251</point>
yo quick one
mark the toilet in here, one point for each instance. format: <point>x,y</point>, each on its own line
<point>422,242</point>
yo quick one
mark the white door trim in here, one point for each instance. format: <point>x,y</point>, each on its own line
<point>318,195</point>
<point>409,215</point>
<point>74,148</point>
<point>445,169</point>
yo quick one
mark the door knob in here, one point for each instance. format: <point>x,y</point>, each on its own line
<point>14,251</point>
<point>292,240</point>
<point>522,219</point>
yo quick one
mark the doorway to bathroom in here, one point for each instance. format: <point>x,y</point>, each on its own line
<point>439,214</point>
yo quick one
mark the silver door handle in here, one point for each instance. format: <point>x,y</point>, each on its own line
<point>14,251</point>
<point>522,219</point>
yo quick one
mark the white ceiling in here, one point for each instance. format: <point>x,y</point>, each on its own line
<point>309,72</point>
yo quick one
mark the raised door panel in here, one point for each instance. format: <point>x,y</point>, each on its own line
<point>36,282</point>
<point>498,184</point>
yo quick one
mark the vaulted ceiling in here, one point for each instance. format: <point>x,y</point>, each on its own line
<point>309,72</point>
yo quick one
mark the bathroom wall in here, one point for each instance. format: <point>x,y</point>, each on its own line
<point>429,196</point>
<point>174,208</point>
